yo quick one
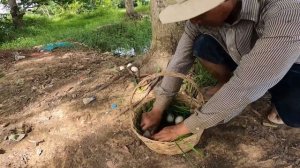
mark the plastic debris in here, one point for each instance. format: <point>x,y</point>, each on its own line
<point>134,69</point>
<point>50,47</point>
<point>38,47</point>
<point>88,100</point>
<point>122,52</point>
<point>18,56</point>
<point>114,106</point>
<point>16,137</point>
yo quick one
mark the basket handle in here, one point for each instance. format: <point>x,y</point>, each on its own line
<point>155,77</point>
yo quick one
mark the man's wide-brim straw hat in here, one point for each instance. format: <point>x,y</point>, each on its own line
<point>179,10</point>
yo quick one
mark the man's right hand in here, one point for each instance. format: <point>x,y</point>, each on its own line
<point>151,120</point>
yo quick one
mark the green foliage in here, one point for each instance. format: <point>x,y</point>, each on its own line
<point>109,3</point>
<point>6,30</point>
<point>143,9</point>
<point>179,109</point>
<point>75,7</point>
<point>125,34</point>
<point>104,29</point>
<point>201,76</point>
<point>50,9</point>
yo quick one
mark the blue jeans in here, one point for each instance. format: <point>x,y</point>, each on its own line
<point>285,94</point>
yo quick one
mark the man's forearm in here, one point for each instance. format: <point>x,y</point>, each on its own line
<point>181,62</point>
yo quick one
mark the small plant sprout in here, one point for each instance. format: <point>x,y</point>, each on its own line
<point>122,68</point>
<point>129,65</point>
<point>178,119</point>
<point>134,69</point>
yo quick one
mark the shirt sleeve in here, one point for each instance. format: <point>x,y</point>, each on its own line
<point>181,62</point>
<point>267,63</point>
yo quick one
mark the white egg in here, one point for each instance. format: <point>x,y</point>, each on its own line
<point>147,134</point>
<point>129,65</point>
<point>170,118</point>
<point>178,119</point>
<point>122,68</point>
<point>134,69</point>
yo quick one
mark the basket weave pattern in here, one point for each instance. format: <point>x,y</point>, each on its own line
<point>169,148</point>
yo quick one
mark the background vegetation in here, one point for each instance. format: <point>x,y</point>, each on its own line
<point>100,26</point>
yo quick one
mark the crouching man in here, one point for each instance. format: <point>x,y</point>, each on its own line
<point>249,46</point>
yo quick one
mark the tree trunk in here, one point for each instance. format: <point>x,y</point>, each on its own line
<point>165,38</point>
<point>130,9</point>
<point>17,16</point>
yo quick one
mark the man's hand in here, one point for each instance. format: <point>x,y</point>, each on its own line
<point>151,120</point>
<point>171,133</point>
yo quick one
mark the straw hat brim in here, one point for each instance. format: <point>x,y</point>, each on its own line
<point>187,10</point>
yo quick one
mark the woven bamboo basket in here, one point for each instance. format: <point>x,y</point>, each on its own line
<point>169,148</point>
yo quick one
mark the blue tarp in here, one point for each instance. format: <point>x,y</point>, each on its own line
<point>50,47</point>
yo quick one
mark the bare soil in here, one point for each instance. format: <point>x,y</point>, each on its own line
<point>42,95</point>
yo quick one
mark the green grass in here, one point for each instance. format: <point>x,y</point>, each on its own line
<point>126,34</point>
<point>103,29</point>
<point>143,9</point>
<point>201,77</point>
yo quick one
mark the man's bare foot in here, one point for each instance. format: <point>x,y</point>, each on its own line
<point>274,117</point>
<point>209,91</point>
<point>151,120</point>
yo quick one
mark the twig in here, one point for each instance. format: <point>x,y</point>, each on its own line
<point>138,102</point>
<point>104,86</point>
<point>256,112</point>
<point>36,142</point>
<point>150,88</point>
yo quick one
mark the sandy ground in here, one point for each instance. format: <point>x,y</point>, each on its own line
<point>42,95</point>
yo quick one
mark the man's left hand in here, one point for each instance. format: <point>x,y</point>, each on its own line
<point>171,133</point>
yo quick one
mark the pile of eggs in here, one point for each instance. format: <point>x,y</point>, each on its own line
<point>171,118</point>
